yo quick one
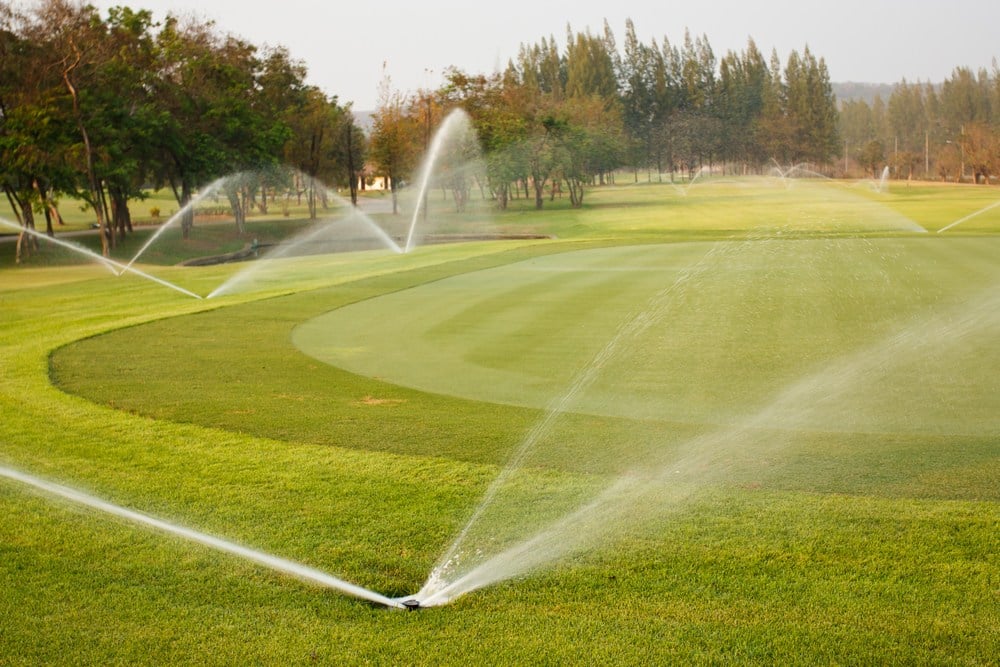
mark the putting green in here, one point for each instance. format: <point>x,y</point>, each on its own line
<point>861,334</point>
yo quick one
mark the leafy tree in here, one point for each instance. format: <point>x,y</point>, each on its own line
<point>666,98</point>
<point>217,123</point>
<point>907,116</point>
<point>949,162</point>
<point>743,80</point>
<point>965,98</point>
<point>394,142</point>
<point>873,157</point>
<point>497,106</point>
<point>316,136</point>
<point>128,116</point>
<point>811,107</point>
<point>774,130</point>
<point>74,36</point>
<point>587,138</point>
<point>638,72</point>
<point>590,67</point>
<point>350,152</point>
<point>981,146</point>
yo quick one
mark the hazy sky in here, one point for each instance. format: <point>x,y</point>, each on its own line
<point>345,42</point>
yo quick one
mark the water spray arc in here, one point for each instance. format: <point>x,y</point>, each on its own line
<point>969,217</point>
<point>354,221</point>
<point>316,234</point>
<point>883,182</point>
<point>276,563</point>
<point>768,430</point>
<point>115,267</point>
<point>447,581</point>
<point>456,121</point>
<point>204,194</point>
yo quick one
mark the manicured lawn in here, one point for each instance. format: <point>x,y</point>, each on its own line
<point>817,372</point>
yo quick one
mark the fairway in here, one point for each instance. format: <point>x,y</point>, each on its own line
<point>747,422</point>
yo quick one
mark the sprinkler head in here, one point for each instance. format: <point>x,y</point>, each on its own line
<point>411,604</point>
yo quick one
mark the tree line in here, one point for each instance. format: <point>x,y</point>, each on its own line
<point>576,114</point>
<point>102,108</point>
<point>949,131</point>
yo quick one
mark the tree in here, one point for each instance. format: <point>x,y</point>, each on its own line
<point>127,114</point>
<point>638,74</point>
<point>217,125</point>
<point>316,136</point>
<point>587,136</point>
<point>981,146</point>
<point>872,156</point>
<point>666,98</point>
<point>908,117</point>
<point>393,144</point>
<point>949,162</point>
<point>350,152</point>
<point>74,36</point>
<point>743,80</point>
<point>590,67</point>
<point>25,127</point>
<point>497,106</point>
<point>811,107</point>
<point>694,133</point>
<point>541,149</point>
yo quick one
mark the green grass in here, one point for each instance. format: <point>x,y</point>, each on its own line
<point>78,216</point>
<point>848,544</point>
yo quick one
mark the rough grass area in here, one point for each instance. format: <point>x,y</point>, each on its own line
<point>869,536</point>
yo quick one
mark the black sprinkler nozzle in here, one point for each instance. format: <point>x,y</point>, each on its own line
<point>411,605</point>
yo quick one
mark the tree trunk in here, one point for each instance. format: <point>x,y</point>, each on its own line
<point>43,195</point>
<point>262,207</point>
<point>27,243</point>
<point>502,196</point>
<point>352,169</point>
<point>111,224</point>
<point>395,195</point>
<point>539,193</point>
<point>311,198</point>
<point>576,189</point>
<point>120,216</point>
<point>187,218</point>
<point>239,212</point>
<point>92,183</point>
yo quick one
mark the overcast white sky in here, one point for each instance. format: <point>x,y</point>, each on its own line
<point>345,42</point>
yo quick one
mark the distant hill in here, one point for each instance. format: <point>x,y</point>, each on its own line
<point>865,92</point>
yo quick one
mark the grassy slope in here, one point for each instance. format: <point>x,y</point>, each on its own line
<point>760,574</point>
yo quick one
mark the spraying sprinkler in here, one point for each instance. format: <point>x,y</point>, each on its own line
<point>412,604</point>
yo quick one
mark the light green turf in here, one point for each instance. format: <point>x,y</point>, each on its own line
<point>731,325</point>
<point>863,548</point>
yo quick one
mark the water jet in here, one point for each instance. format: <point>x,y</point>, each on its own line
<point>211,189</point>
<point>268,560</point>
<point>969,217</point>
<point>452,138</point>
<point>115,267</point>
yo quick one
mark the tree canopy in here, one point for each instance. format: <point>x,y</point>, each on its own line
<point>100,108</point>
